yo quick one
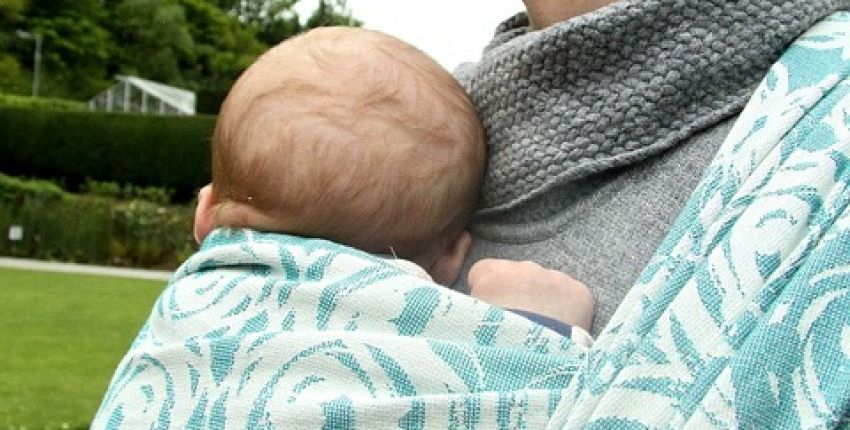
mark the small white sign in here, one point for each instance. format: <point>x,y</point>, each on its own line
<point>16,233</point>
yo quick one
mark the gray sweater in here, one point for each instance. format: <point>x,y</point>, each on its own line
<point>599,127</point>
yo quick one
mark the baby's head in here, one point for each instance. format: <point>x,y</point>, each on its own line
<point>352,136</point>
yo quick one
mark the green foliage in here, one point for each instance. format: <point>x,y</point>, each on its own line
<point>11,14</point>
<point>9,100</point>
<point>167,152</point>
<point>257,11</point>
<point>73,8</point>
<point>76,46</point>
<point>145,234</point>
<point>12,77</point>
<point>114,190</point>
<point>201,45</point>
<point>63,335</point>
<point>15,189</point>
<point>10,10</point>
<point>153,38</point>
<point>276,31</point>
<point>275,20</point>
<point>103,189</point>
<point>91,228</point>
<point>331,13</point>
<point>65,229</point>
<point>223,48</point>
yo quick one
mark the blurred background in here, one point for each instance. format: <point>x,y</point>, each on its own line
<point>106,111</point>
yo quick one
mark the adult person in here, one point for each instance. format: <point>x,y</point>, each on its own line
<point>601,117</point>
<point>739,320</point>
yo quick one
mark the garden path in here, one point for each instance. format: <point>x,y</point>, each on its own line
<point>50,266</point>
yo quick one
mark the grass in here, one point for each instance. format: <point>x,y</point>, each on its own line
<point>61,337</point>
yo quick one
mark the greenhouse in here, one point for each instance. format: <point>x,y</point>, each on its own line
<point>134,94</point>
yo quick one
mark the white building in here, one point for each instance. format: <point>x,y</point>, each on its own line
<point>134,94</point>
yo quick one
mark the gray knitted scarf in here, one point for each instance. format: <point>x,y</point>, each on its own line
<point>620,84</point>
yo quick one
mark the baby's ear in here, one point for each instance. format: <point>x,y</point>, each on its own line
<point>204,213</point>
<point>446,269</point>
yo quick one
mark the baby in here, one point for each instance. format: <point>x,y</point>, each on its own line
<point>334,143</point>
<point>356,137</point>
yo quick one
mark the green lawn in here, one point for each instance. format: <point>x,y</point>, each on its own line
<point>61,337</point>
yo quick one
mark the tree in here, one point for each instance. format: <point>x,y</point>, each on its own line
<point>12,77</point>
<point>276,20</point>
<point>11,13</point>
<point>75,46</point>
<point>257,11</point>
<point>224,47</point>
<point>227,44</point>
<point>202,45</point>
<point>285,24</point>
<point>330,13</point>
<point>152,39</point>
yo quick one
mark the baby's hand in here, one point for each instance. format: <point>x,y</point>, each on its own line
<point>528,286</point>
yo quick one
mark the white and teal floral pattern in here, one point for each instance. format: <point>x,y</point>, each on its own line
<point>742,319</point>
<point>262,331</point>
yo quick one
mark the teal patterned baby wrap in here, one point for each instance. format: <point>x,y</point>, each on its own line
<point>742,319</point>
<point>261,330</point>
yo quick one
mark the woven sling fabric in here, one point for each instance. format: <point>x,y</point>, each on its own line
<point>740,320</point>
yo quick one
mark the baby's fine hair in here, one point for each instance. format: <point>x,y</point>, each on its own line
<point>353,136</point>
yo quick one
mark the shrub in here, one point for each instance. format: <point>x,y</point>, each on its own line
<point>10,100</point>
<point>166,152</point>
<point>15,188</point>
<point>128,192</point>
<point>91,228</point>
<point>12,77</point>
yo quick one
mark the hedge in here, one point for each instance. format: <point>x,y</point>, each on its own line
<point>12,100</point>
<point>170,152</point>
<point>58,225</point>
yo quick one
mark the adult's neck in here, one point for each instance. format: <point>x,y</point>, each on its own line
<point>543,13</point>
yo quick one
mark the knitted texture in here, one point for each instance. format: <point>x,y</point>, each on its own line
<point>616,86</point>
